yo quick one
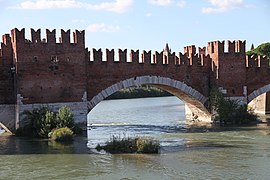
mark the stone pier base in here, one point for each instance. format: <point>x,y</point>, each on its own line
<point>7,117</point>
<point>196,116</point>
<point>79,109</point>
<point>261,104</point>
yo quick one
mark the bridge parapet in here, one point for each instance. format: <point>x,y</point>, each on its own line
<point>151,57</point>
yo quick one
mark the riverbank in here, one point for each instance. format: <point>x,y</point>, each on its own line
<point>139,92</point>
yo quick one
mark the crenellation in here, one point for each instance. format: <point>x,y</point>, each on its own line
<point>177,61</point>
<point>97,55</point>
<point>205,60</point>
<point>6,47</point>
<point>79,37</point>
<point>184,60</point>
<point>190,50</point>
<point>215,47</point>
<point>263,61</point>
<point>240,47</point>
<point>122,55</point>
<point>146,57</point>
<point>252,61</point>
<point>171,58</point>
<point>18,36</point>
<point>110,55</point>
<point>158,57</point>
<point>134,56</point>
<point>35,36</point>
<point>51,37</point>
<point>65,37</point>
<point>6,39</point>
<point>202,51</point>
<point>231,46</point>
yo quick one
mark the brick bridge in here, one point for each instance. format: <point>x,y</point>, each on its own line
<point>42,72</point>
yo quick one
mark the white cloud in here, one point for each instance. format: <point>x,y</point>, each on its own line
<point>118,6</point>
<point>148,14</point>
<point>180,3</point>
<point>102,28</point>
<point>161,2</point>
<point>77,20</point>
<point>220,6</point>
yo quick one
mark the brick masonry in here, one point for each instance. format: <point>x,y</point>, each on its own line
<point>41,71</point>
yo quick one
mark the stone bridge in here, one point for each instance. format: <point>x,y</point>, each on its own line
<point>39,72</point>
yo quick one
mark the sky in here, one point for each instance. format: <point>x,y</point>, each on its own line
<point>143,24</point>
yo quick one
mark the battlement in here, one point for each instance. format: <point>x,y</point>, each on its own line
<point>6,49</point>
<point>150,57</point>
<point>217,47</point>
<point>257,61</point>
<point>18,36</point>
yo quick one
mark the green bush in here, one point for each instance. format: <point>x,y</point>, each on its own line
<point>230,112</point>
<point>64,118</point>
<point>62,134</point>
<point>130,145</point>
<point>40,122</point>
<point>147,146</point>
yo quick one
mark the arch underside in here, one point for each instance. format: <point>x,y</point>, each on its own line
<point>258,92</point>
<point>192,98</point>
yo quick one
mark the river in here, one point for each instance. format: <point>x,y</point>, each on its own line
<point>232,153</point>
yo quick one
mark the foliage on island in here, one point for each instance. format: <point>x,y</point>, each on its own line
<point>262,49</point>
<point>43,123</point>
<point>230,112</point>
<point>139,92</point>
<point>130,145</point>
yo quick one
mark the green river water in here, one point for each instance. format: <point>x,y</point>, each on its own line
<point>232,153</point>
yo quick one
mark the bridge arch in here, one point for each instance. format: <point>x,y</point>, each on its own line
<point>258,92</point>
<point>193,99</point>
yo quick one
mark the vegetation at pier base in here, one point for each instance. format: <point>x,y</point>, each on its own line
<point>230,112</point>
<point>61,134</point>
<point>130,145</point>
<point>44,123</point>
<point>262,49</point>
<point>139,92</point>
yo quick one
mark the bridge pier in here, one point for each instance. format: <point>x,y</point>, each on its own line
<point>196,116</point>
<point>7,116</point>
<point>79,109</point>
<point>261,104</point>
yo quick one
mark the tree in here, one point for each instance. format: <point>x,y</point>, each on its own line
<point>262,49</point>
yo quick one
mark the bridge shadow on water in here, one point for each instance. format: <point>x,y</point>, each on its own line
<point>10,145</point>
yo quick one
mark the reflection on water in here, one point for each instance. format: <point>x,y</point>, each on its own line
<point>232,153</point>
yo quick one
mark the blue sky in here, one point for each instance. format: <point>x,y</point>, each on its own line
<point>143,24</point>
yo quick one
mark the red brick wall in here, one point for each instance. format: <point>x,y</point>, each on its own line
<point>50,71</point>
<point>7,95</point>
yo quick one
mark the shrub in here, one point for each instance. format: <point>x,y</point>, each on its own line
<point>62,134</point>
<point>230,112</point>
<point>64,118</point>
<point>38,123</point>
<point>147,146</point>
<point>130,145</point>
